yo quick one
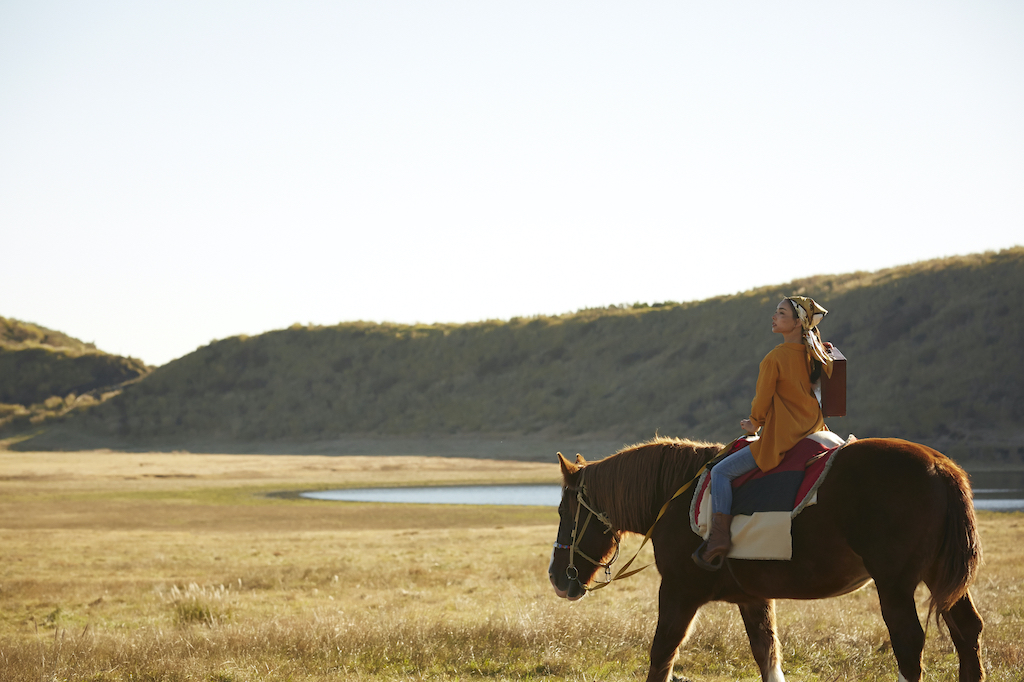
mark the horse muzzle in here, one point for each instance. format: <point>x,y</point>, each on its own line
<point>567,588</point>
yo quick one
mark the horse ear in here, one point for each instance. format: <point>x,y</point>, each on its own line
<point>568,468</point>
<point>580,460</point>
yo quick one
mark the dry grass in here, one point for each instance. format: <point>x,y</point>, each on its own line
<point>163,567</point>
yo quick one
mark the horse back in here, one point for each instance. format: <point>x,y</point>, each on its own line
<point>878,483</point>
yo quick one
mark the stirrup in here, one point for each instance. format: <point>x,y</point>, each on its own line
<point>707,565</point>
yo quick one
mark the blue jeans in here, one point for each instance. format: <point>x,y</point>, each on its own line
<point>722,475</point>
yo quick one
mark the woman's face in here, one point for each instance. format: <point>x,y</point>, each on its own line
<point>785,321</point>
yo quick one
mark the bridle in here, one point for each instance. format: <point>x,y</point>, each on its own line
<point>581,497</point>
<point>573,546</point>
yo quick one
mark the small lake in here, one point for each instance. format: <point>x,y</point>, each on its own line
<point>998,490</point>
<point>993,491</point>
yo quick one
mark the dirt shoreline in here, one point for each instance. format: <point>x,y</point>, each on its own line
<point>105,469</point>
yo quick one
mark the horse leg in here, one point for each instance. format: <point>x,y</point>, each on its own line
<point>965,627</point>
<point>675,615</point>
<point>905,632</point>
<point>759,620</point>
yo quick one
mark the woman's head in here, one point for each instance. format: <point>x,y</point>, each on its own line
<point>786,320</point>
<point>808,314</point>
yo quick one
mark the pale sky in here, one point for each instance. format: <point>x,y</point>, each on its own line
<point>177,172</point>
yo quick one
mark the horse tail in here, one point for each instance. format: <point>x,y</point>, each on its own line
<point>960,551</point>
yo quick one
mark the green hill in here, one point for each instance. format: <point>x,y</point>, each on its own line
<point>45,374</point>
<point>931,347</point>
<point>15,334</point>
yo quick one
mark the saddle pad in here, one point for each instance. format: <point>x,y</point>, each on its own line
<point>766,502</point>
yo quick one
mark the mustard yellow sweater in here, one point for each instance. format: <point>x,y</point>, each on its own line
<point>784,404</point>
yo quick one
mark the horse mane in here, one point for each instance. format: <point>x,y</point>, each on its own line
<point>631,485</point>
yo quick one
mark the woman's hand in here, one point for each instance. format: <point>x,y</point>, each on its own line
<point>748,426</point>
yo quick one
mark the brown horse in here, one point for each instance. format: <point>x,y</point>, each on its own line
<point>895,512</point>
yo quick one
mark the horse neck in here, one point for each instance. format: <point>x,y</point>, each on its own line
<point>631,486</point>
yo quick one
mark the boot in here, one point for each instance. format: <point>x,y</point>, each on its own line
<point>711,554</point>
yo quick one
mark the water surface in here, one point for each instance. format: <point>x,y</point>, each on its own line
<point>993,491</point>
<point>998,490</point>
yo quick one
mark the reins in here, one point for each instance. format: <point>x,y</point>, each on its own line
<point>621,574</point>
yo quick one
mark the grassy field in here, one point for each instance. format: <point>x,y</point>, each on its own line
<point>168,567</point>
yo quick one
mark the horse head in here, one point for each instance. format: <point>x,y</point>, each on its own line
<point>586,540</point>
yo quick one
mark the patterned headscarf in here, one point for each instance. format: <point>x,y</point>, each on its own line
<point>811,314</point>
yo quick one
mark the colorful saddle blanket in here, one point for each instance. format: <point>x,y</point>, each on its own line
<point>766,502</point>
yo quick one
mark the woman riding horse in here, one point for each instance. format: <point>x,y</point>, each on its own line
<point>784,408</point>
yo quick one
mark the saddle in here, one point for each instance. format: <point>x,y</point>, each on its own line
<point>766,502</point>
